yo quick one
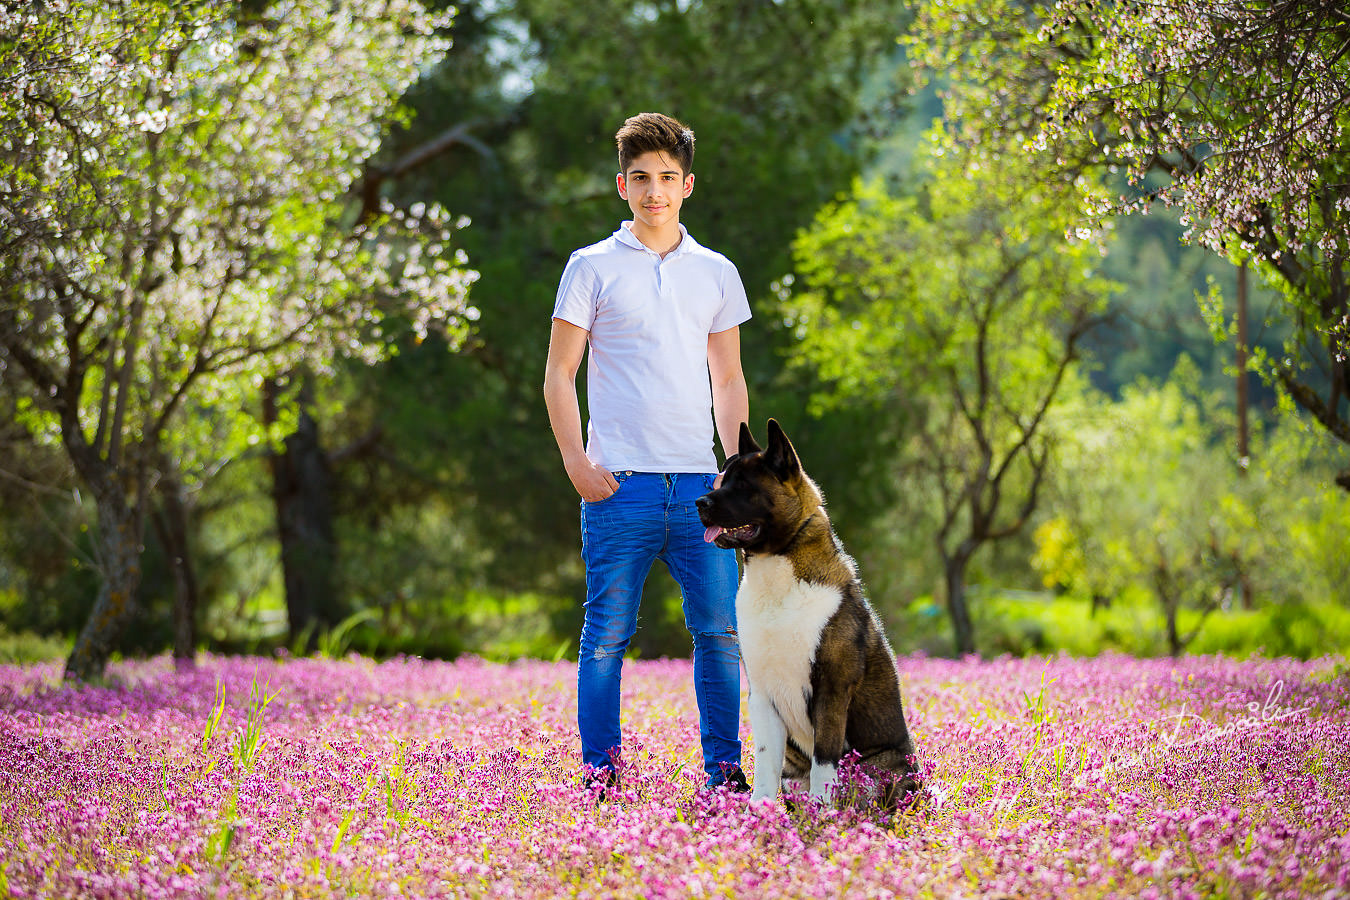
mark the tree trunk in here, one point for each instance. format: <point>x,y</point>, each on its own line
<point>1174,644</point>
<point>118,552</point>
<point>1171,608</point>
<point>1243,402</point>
<point>171,525</point>
<point>963,630</point>
<point>302,495</point>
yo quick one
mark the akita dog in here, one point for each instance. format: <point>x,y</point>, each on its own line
<point>823,679</point>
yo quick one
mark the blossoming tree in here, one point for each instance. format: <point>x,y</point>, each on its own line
<point>175,210</point>
<point>1235,113</point>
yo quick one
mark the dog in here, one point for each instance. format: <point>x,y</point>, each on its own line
<point>823,679</point>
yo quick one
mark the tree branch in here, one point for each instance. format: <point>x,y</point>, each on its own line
<point>375,176</point>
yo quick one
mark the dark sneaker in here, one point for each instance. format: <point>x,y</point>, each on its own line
<point>730,778</point>
<point>600,782</point>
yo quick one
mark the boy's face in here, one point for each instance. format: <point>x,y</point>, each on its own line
<point>655,188</point>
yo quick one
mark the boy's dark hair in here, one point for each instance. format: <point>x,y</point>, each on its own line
<point>650,131</point>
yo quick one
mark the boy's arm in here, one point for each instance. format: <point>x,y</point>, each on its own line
<point>566,345</point>
<point>731,398</point>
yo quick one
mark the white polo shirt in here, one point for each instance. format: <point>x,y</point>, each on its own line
<point>647,384</point>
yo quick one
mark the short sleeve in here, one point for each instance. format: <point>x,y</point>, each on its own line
<point>735,307</point>
<point>577,293</point>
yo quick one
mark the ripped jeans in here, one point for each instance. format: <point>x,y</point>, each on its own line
<point>652,516</point>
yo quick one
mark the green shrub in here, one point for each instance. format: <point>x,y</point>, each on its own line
<point>1288,629</point>
<point>495,627</point>
<point>22,647</point>
<point>1022,623</point>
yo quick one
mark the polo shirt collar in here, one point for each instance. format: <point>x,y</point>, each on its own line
<point>626,237</point>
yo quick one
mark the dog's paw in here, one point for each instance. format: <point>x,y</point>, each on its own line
<point>824,776</point>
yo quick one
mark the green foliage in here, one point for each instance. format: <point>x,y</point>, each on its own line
<point>1208,108</point>
<point>498,627</point>
<point>250,740</point>
<point>1300,510</point>
<point>1302,630</point>
<point>334,642</point>
<point>222,839</point>
<point>25,647</point>
<point>1024,623</point>
<point>227,199</point>
<point>457,527</point>
<point>1150,520</point>
<point>1174,516</point>
<point>181,173</point>
<point>959,309</point>
<point>772,92</point>
<point>45,571</point>
<point>236,552</point>
<point>899,295</point>
<point>213,718</point>
<point>401,791</point>
<point>1155,318</point>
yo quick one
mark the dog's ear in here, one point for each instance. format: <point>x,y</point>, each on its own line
<point>781,455</point>
<point>748,444</point>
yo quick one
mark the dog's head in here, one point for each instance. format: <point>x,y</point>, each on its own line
<point>764,498</point>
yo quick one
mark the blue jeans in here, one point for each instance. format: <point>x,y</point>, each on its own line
<point>652,516</point>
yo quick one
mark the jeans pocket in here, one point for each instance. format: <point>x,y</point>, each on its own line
<point>620,477</point>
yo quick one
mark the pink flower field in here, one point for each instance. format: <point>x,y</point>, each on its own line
<point>248,777</point>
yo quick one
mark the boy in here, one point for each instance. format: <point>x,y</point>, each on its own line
<point>661,315</point>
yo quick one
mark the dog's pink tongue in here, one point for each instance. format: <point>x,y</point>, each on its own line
<point>711,534</point>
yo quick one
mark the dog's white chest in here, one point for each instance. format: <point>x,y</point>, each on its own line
<point>780,620</point>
